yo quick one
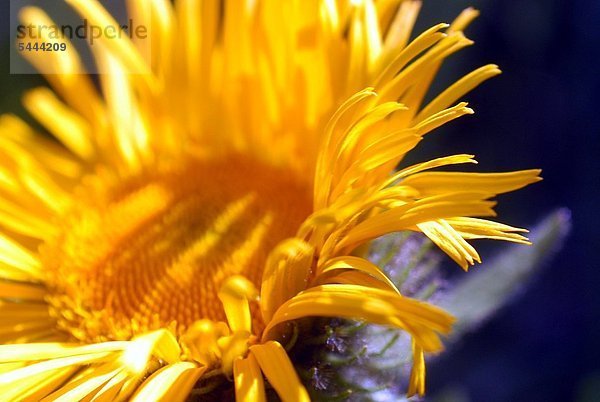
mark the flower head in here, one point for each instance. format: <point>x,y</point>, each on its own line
<point>193,210</point>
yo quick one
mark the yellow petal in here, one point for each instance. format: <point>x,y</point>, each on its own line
<point>235,294</point>
<point>43,351</point>
<point>440,118</point>
<point>368,120</point>
<point>353,278</point>
<point>464,19</point>
<point>15,255</point>
<point>385,150</point>
<point>372,38</point>
<point>70,128</point>
<point>406,216</point>
<point>21,291</point>
<point>473,228</point>
<point>376,306</point>
<point>417,71</point>
<point>358,264</point>
<point>41,387</point>
<point>129,131</point>
<point>48,154</point>
<point>22,221</point>
<point>416,384</point>
<point>85,386</point>
<point>249,382</point>
<point>112,388</point>
<point>286,274</point>
<point>171,383</point>
<point>159,18</point>
<point>333,135</point>
<point>277,367</point>
<point>160,343</point>
<point>451,242</point>
<point>400,29</point>
<point>13,312</point>
<point>434,163</point>
<point>24,331</point>
<point>36,387</point>
<point>72,83</point>
<point>200,340</point>
<point>232,347</point>
<point>416,47</point>
<point>458,89</point>
<point>433,183</point>
<point>97,15</point>
<point>9,378</point>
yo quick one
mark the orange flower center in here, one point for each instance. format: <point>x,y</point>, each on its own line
<point>152,251</point>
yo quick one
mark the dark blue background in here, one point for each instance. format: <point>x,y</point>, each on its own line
<point>541,112</point>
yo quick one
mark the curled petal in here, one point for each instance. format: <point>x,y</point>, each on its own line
<point>377,306</point>
<point>286,274</point>
<point>235,294</point>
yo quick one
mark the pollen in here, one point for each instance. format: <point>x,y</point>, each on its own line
<point>151,251</point>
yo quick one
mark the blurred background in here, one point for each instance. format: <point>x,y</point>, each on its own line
<point>541,112</point>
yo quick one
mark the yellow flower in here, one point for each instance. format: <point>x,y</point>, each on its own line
<point>199,206</point>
